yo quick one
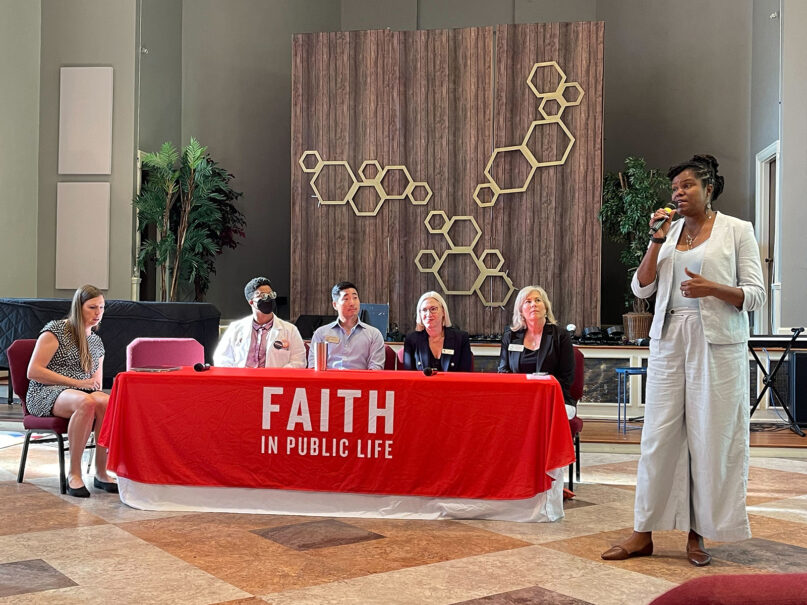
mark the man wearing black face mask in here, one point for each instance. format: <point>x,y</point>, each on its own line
<point>261,340</point>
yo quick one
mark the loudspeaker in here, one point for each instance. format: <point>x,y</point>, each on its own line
<point>798,386</point>
<point>307,324</point>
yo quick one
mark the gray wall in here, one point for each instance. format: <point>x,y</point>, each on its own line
<point>236,89</point>
<point>794,164</point>
<point>398,15</point>
<point>764,128</point>
<point>19,128</point>
<point>159,118</point>
<point>76,33</point>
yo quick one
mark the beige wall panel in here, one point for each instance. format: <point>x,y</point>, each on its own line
<point>85,120</point>
<point>82,235</point>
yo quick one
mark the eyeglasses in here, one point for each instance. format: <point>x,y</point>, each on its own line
<point>430,310</point>
<point>265,295</point>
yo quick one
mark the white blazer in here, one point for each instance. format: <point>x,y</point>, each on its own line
<point>233,347</point>
<point>731,258</point>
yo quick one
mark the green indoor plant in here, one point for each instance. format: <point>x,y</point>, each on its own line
<point>187,201</point>
<point>629,197</point>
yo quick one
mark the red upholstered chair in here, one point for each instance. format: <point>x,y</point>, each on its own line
<point>576,424</point>
<point>19,354</point>
<point>155,352</point>
<point>739,589</point>
<point>389,357</point>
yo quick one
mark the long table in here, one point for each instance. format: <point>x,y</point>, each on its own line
<point>364,443</point>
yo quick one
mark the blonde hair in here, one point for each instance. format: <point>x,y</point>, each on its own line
<point>438,298</point>
<point>75,323</point>
<point>518,318</point>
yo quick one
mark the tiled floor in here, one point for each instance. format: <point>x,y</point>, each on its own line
<point>58,549</point>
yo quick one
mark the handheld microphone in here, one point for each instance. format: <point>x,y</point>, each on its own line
<point>669,207</point>
<point>429,371</point>
<point>201,367</point>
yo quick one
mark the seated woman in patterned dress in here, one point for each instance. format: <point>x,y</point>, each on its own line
<point>65,373</point>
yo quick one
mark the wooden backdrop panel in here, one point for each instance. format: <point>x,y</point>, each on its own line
<point>439,102</point>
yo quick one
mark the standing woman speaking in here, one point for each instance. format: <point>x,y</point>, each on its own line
<point>706,274</point>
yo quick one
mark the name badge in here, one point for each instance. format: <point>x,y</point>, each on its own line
<point>332,339</point>
<point>447,352</point>
<point>515,348</point>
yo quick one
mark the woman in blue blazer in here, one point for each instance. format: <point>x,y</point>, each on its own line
<point>535,343</point>
<point>434,343</point>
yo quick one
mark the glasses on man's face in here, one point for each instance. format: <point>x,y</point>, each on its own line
<point>430,310</point>
<point>265,295</point>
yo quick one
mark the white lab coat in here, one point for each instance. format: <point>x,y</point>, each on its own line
<point>233,348</point>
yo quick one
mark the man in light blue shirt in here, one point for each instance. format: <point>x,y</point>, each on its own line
<point>352,344</point>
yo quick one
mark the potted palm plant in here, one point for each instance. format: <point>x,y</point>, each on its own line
<point>186,201</point>
<point>629,197</point>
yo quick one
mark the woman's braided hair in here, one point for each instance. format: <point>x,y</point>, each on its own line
<point>704,167</point>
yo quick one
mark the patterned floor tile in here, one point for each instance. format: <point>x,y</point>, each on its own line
<point>27,508</point>
<point>765,554</point>
<point>575,503</point>
<point>787,465</point>
<point>227,547</point>
<point>668,561</point>
<point>483,575</point>
<point>526,596</point>
<point>109,565</point>
<point>790,509</point>
<point>578,522</point>
<point>774,484</point>
<point>316,534</point>
<point>34,575</point>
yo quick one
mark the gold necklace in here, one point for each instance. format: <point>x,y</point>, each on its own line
<point>690,239</point>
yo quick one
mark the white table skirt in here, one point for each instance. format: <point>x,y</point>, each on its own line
<point>544,507</point>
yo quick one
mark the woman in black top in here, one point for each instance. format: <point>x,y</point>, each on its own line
<point>434,343</point>
<point>535,343</point>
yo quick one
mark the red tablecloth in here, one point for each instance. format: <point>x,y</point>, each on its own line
<point>466,435</point>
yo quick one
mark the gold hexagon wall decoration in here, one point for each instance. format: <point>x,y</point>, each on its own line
<point>380,202</point>
<point>550,66</point>
<point>507,282</point>
<point>516,149</point>
<point>439,262</point>
<point>456,220</point>
<point>409,184</point>
<point>318,173</point>
<point>421,200</point>
<point>418,192</point>
<point>305,156</point>
<point>553,103</point>
<point>545,124</point>
<point>460,253</point>
<point>370,164</point>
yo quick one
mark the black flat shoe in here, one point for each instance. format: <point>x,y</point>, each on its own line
<point>78,492</point>
<point>107,486</point>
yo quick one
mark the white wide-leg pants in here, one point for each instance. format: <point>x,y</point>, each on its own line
<point>693,469</point>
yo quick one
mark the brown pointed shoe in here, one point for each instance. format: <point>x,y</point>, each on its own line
<point>698,557</point>
<point>618,553</point>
